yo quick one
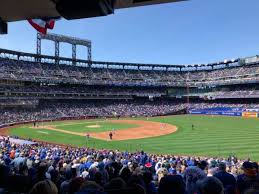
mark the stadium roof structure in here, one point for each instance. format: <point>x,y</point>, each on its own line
<point>15,10</point>
<point>4,53</point>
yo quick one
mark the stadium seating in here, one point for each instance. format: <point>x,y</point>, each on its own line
<point>40,168</point>
<point>31,71</point>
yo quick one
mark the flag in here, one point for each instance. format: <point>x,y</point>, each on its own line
<point>42,25</point>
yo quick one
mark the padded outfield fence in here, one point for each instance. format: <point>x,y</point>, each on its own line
<point>227,111</point>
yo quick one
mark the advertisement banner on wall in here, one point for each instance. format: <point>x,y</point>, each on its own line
<point>250,114</point>
<point>215,113</point>
<point>226,111</point>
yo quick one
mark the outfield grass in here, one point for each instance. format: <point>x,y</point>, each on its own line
<point>212,136</point>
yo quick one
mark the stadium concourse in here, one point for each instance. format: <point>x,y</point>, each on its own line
<point>39,88</point>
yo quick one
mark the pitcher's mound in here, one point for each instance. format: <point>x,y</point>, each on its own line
<point>93,126</point>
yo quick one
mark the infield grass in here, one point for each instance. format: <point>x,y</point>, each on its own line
<point>92,126</point>
<point>212,136</point>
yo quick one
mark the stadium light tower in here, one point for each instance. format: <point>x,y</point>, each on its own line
<point>66,39</point>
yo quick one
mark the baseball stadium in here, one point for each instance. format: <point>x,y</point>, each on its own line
<point>162,109</point>
<point>84,126</point>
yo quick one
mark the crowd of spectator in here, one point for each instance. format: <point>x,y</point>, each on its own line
<point>32,71</point>
<point>233,94</point>
<point>105,108</point>
<point>52,169</point>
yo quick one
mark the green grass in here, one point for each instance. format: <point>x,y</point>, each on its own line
<point>85,126</point>
<point>212,136</point>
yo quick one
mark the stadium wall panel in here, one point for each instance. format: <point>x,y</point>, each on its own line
<point>238,114</point>
<point>250,114</point>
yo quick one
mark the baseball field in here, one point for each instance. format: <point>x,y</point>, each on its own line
<point>211,135</point>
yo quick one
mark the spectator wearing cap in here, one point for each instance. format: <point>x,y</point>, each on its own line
<point>247,180</point>
<point>19,160</point>
<point>148,165</point>
<point>228,180</point>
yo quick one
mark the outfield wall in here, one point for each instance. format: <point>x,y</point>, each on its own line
<point>226,111</point>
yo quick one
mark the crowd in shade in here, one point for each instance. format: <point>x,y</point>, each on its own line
<point>44,168</point>
<point>104,108</point>
<point>81,91</point>
<point>32,71</point>
<point>87,90</point>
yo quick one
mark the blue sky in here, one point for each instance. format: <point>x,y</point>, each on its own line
<point>196,31</point>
